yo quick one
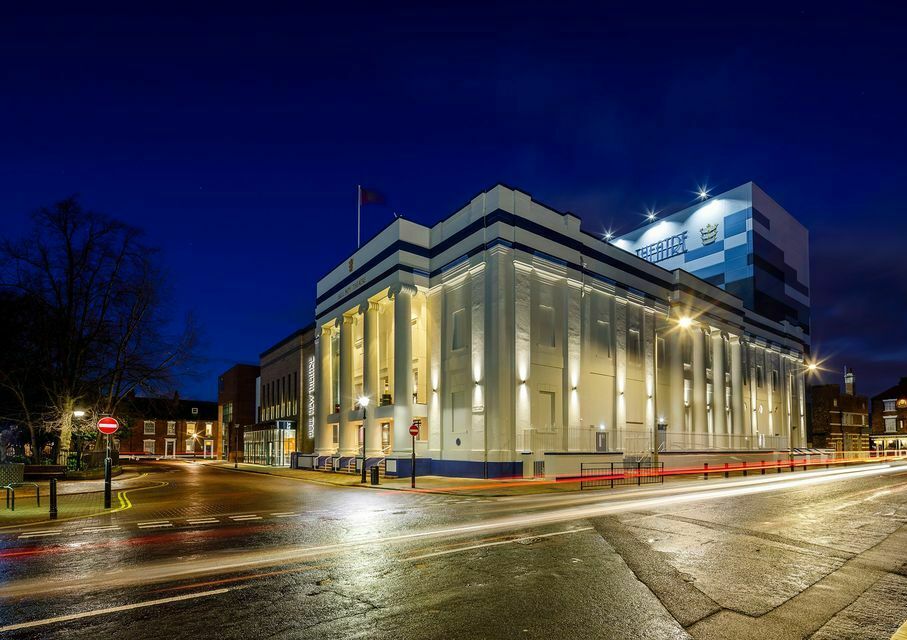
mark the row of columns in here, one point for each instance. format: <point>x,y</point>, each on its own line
<point>701,341</point>
<point>348,444</point>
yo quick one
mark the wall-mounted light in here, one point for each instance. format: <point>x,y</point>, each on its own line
<point>573,388</point>
<point>522,382</point>
<point>685,322</point>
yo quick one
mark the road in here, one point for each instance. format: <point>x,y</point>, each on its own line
<point>203,552</point>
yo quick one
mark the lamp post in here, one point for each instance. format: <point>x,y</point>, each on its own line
<point>363,402</point>
<point>194,446</point>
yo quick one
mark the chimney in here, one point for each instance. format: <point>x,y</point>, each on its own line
<point>849,381</point>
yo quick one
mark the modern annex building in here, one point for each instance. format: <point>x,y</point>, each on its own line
<point>510,336</point>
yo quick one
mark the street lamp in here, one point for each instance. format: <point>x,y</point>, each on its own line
<point>194,446</point>
<point>78,413</point>
<point>363,402</point>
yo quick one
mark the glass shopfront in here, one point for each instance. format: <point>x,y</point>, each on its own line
<point>270,444</point>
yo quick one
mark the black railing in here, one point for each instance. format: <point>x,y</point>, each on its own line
<point>615,474</point>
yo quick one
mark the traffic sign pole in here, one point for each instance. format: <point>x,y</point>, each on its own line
<point>413,431</point>
<point>107,426</point>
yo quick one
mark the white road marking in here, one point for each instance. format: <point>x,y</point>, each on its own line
<point>100,612</point>
<point>284,515</point>
<point>499,542</point>
<point>242,518</point>
<point>203,521</point>
<point>99,529</point>
<point>38,534</point>
<point>153,522</point>
<point>157,525</point>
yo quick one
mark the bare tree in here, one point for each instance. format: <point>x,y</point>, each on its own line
<point>96,327</point>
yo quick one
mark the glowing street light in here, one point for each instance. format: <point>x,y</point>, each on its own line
<point>703,193</point>
<point>812,367</point>
<point>608,236</point>
<point>685,322</point>
<point>78,413</point>
<point>363,402</point>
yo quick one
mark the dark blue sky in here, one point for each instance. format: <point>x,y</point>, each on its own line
<point>237,139</point>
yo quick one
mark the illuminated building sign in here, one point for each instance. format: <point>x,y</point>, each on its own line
<point>664,249</point>
<point>310,401</point>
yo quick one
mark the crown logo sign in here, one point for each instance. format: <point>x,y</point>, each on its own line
<point>709,233</point>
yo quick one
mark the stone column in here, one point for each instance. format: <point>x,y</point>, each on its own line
<point>324,441</point>
<point>676,422</point>
<point>719,399</point>
<point>403,368</point>
<point>738,419</point>
<point>699,401</point>
<point>349,433</point>
<point>617,440</point>
<point>369,311</point>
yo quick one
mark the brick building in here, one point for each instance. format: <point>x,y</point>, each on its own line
<point>889,418</point>
<point>170,428</point>
<point>839,419</point>
<point>236,406</point>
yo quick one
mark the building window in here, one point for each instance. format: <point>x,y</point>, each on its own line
<point>546,326</point>
<point>760,376</point>
<point>889,405</point>
<point>459,339</point>
<point>601,337</point>
<point>148,446</point>
<point>546,420</point>
<point>208,426</point>
<point>460,412</point>
<point>190,445</point>
<point>687,349</point>
<point>190,428</point>
<point>171,428</point>
<point>775,380</point>
<point>891,425</point>
<point>335,434</point>
<point>633,346</point>
<point>195,411</point>
<point>149,428</point>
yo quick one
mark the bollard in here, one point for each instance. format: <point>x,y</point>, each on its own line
<point>705,469</point>
<point>744,468</point>
<point>763,467</point>
<point>53,498</point>
<point>726,474</point>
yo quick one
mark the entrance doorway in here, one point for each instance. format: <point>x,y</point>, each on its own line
<point>170,448</point>
<point>209,448</point>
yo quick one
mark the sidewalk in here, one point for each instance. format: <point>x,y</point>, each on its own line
<point>75,499</point>
<point>477,487</point>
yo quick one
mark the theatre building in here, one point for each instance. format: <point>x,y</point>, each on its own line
<point>516,340</point>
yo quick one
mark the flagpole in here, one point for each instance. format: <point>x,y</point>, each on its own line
<point>358,213</point>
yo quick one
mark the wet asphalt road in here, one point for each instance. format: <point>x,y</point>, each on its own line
<point>212,553</point>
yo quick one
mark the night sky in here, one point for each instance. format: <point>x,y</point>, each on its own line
<point>237,139</point>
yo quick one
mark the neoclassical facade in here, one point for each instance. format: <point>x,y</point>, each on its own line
<point>505,333</point>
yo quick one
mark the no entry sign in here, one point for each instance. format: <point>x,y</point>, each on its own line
<point>414,429</point>
<point>108,425</point>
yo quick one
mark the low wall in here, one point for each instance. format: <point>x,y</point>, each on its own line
<point>11,472</point>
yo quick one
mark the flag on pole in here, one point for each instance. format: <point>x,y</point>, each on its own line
<point>365,196</point>
<point>370,196</point>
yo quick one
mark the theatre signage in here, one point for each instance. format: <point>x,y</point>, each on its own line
<point>664,249</point>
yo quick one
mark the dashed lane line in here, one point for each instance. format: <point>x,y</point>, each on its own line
<point>154,525</point>
<point>99,529</point>
<point>284,515</point>
<point>125,607</point>
<point>203,521</point>
<point>41,534</point>
<point>244,518</point>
